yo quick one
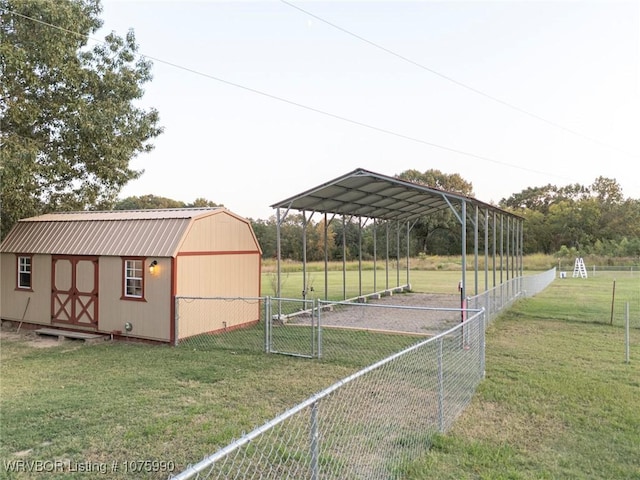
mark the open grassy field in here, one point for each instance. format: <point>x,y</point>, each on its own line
<point>421,281</point>
<point>428,274</point>
<point>558,400</point>
<point>424,281</point>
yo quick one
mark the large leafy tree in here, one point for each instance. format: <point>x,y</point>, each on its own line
<point>438,233</point>
<point>69,122</point>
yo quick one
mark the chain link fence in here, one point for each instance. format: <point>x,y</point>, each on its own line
<point>376,422</point>
<point>354,333</point>
<point>362,333</point>
<point>372,424</point>
<point>495,300</point>
<point>237,324</point>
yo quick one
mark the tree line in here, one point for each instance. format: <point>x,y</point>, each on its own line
<point>557,220</point>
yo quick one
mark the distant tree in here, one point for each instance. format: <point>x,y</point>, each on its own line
<point>574,224</point>
<point>438,233</point>
<point>203,202</point>
<point>316,240</point>
<point>532,198</point>
<point>69,120</point>
<point>265,231</point>
<point>536,235</point>
<point>436,179</point>
<point>608,191</point>
<point>147,202</point>
<point>594,218</point>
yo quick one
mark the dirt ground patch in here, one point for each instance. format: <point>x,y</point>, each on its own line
<point>27,337</point>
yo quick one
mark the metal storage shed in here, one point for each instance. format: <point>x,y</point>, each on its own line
<point>119,272</point>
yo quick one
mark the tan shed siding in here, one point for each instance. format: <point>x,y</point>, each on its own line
<point>231,275</point>
<point>214,316</point>
<point>220,232</point>
<point>151,318</point>
<point>13,302</point>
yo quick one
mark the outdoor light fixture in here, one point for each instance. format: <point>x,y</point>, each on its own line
<point>152,267</point>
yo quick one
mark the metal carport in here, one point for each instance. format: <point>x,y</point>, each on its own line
<point>368,195</point>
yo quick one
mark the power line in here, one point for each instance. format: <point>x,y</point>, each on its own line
<point>297,104</point>
<point>458,83</point>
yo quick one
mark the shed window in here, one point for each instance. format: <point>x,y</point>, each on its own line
<point>24,272</point>
<point>133,278</point>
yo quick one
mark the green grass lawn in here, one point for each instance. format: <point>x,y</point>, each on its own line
<point>424,281</point>
<point>558,401</point>
<point>128,402</point>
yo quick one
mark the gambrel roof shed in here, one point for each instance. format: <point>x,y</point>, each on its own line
<point>101,271</point>
<point>117,232</point>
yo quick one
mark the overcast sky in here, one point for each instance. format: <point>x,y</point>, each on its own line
<point>556,100</point>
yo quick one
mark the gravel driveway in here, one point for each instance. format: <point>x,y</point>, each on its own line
<point>407,312</point>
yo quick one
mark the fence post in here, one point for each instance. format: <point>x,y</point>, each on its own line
<point>315,447</point>
<point>313,327</point>
<point>176,328</point>
<point>319,331</point>
<point>440,388</point>
<point>626,335</point>
<point>483,323</point>
<point>267,325</point>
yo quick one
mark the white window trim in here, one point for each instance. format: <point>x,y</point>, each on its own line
<point>127,277</point>
<point>22,270</point>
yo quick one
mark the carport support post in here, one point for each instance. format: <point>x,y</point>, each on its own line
<point>493,254</point>
<point>408,246</point>
<point>304,257</point>
<point>375,256</point>
<point>326,258</point>
<point>463,233</point>
<point>360,256</point>
<point>475,250</point>
<point>344,258</point>
<point>521,248</point>
<point>278,252</point>
<point>501,248</point>
<point>486,249</point>
<point>398,253</point>
<point>386,267</point>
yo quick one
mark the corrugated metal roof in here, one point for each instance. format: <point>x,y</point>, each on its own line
<point>372,195</point>
<point>118,233</point>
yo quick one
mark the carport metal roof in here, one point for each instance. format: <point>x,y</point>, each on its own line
<point>367,194</point>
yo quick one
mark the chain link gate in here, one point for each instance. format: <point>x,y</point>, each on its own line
<point>292,327</point>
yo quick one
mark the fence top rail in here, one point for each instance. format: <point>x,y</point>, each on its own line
<point>183,297</point>
<point>400,307</point>
<point>208,461</point>
<point>284,299</point>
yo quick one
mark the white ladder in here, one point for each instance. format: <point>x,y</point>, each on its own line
<point>579,270</point>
